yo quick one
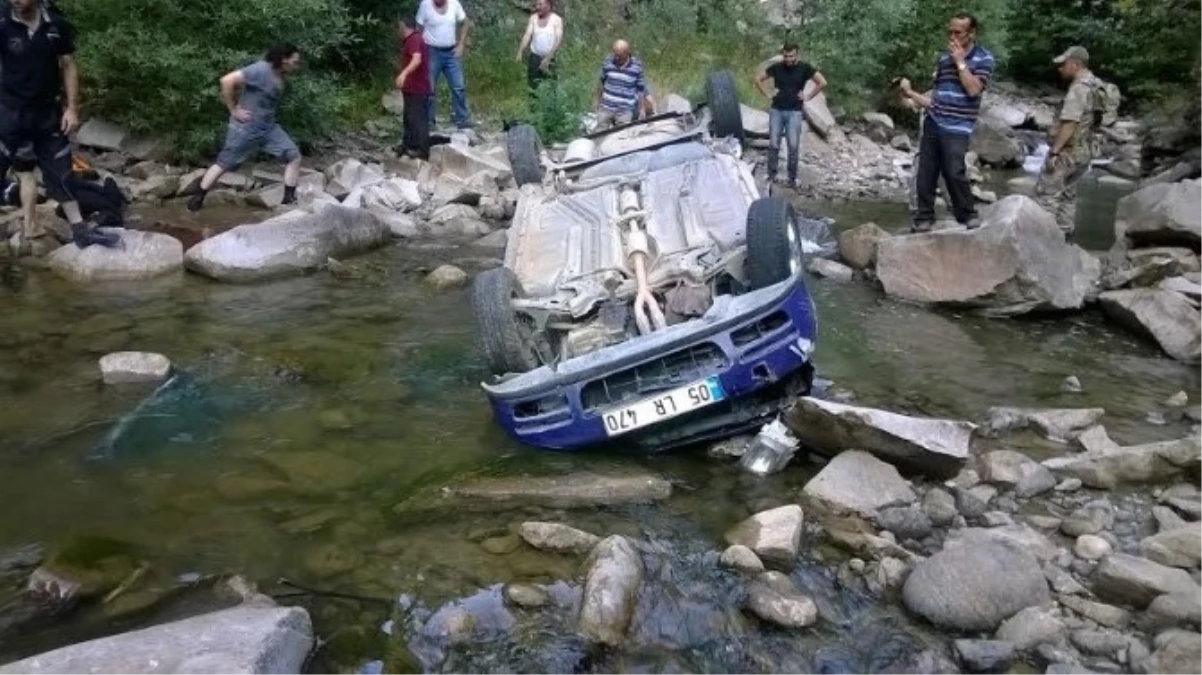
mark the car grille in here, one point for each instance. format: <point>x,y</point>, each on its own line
<point>679,367</point>
<point>760,329</point>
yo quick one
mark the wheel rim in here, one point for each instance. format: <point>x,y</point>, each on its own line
<point>795,251</point>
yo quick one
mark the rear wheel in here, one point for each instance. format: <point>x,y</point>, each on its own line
<point>774,251</point>
<point>523,146</point>
<point>723,99</point>
<point>507,338</point>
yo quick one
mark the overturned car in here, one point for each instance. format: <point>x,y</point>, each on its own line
<point>649,294</point>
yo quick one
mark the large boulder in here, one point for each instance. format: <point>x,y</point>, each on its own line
<point>1163,214</point>
<point>463,161</point>
<point>935,446</point>
<point>142,255</point>
<point>858,482</point>
<point>1110,466</point>
<point>1177,651</point>
<point>1014,469</point>
<point>995,144</point>
<point>857,246</point>
<point>1179,547</point>
<point>1137,581</point>
<point>1058,424</point>
<point>1017,262</point>
<point>818,115</point>
<point>457,221</point>
<point>243,639</point>
<point>615,572</point>
<point>1165,316</point>
<point>773,535</point>
<point>344,176</point>
<point>975,588</point>
<point>101,134</point>
<point>755,121</point>
<point>288,244</point>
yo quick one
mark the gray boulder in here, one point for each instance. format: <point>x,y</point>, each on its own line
<point>857,246</point>
<point>347,175</point>
<point>742,559</point>
<point>755,121</point>
<point>773,598</point>
<point>773,535</point>
<point>829,269</point>
<point>940,506</point>
<point>1014,469</point>
<point>818,114</point>
<point>287,245</point>
<point>935,446</point>
<point>995,144</point>
<point>142,255</point>
<point>1100,613</point>
<point>858,482</point>
<point>1031,627</point>
<point>975,588</point>
<point>905,522</point>
<point>243,639</point>
<point>1177,651</point>
<point>1173,610</point>
<point>1165,316</point>
<point>1017,536</point>
<point>1109,467</point>
<point>1137,581</point>
<point>1164,214</point>
<point>463,161</point>
<point>558,538</point>
<point>1017,262</point>
<point>457,221</point>
<point>1091,518</point>
<point>101,134</point>
<point>446,277</point>
<point>984,656</point>
<point>1181,547</point>
<point>1059,424</point>
<point>611,587</point>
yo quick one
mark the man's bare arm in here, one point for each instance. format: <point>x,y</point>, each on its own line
<point>70,70</point>
<point>759,81</point>
<point>230,84</point>
<point>819,84</point>
<point>526,37</point>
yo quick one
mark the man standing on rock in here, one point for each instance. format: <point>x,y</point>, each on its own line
<point>961,75</point>
<point>252,95</point>
<point>786,116</point>
<point>37,58</point>
<point>622,89</point>
<point>414,83</point>
<point>544,34</point>
<point>444,28</point>
<point>1071,148</point>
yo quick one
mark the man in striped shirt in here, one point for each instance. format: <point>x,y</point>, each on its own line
<point>622,88</point>
<point>952,108</point>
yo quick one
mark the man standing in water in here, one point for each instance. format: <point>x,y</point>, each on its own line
<point>1071,147</point>
<point>38,61</point>
<point>786,116</point>
<point>444,28</point>
<point>622,90</point>
<point>961,75</point>
<point>252,96</point>
<point>414,83</point>
<point>544,33</point>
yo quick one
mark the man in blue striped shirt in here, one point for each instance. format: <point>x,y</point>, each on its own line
<point>952,108</point>
<point>622,88</point>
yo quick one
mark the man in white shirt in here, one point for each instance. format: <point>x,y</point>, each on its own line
<point>444,28</point>
<point>544,34</point>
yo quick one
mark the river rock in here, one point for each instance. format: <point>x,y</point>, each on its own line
<point>1032,627</point>
<point>879,126</point>
<point>1147,463</point>
<point>1008,115</point>
<point>463,161</point>
<point>1137,581</point>
<point>134,367</point>
<point>1091,547</point>
<point>497,240</point>
<point>1177,651</point>
<point>396,194</point>
<point>243,639</point>
<point>742,559</point>
<point>995,144</point>
<point>829,269</point>
<point>1181,547</point>
<point>1016,535</point>
<point>347,175</point>
<point>1167,518</point>
<point>857,246</point>
<point>1100,643</point>
<point>940,507</point>
<point>975,588</point>
<point>1096,440</point>
<point>457,220</point>
<point>1165,316</point>
<point>1173,610</point>
<point>568,491</point>
<point>1102,614</point>
<point>773,535</point>
<point>402,225</point>
<point>101,134</point>
<point>984,656</point>
<point>142,255</point>
<point>287,245</point>
<point>1052,423</point>
<point>159,186</point>
<point>773,598</point>
<point>858,482</point>
<point>936,446</point>
<point>526,595</point>
<point>446,277</point>
<point>905,522</point>
<point>1011,468</point>
<point>558,538</point>
<point>818,115</point>
<point>1163,214</point>
<point>1091,518</point>
<point>1017,262</point>
<point>1192,291</point>
<point>611,587</point>
<point>1185,259</point>
<point>755,121</point>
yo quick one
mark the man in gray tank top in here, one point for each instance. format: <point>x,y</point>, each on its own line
<point>253,95</point>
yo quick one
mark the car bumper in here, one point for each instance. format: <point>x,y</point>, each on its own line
<point>752,343</point>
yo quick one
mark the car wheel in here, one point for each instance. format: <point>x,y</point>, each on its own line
<point>523,146</point>
<point>723,100</point>
<point>774,251</point>
<point>507,338</point>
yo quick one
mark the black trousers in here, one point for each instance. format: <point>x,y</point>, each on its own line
<point>416,135</point>
<point>24,128</point>
<point>534,73</point>
<point>942,153</point>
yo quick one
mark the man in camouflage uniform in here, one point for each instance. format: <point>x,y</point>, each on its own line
<point>1071,146</point>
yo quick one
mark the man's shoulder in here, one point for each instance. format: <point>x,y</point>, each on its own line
<point>981,54</point>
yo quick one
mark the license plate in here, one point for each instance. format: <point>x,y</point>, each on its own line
<point>663,406</point>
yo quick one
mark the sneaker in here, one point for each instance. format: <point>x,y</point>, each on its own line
<point>196,201</point>
<point>85,236</point>
<point>918,227</point>
<point>973,223</point>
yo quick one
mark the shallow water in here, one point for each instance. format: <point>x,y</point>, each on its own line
<point>306,409</point>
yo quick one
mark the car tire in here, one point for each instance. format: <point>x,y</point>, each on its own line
<point>773,244</point>
<point>505,337</point>
<point>723,99</point>
<point>523,146</point>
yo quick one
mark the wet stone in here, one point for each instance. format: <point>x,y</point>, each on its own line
<point>905,522</point>
<point>331,560</point>
<point>526,595</point>
<point>773,598</point>
<point>940,507</point>
<point>501,545</point>
<point>984,656</point>
<point>742,559</point>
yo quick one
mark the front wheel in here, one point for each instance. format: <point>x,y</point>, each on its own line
<point>507,338</point>
<point>774,250</point>
<point>523,145</point>
<point>723,99</point>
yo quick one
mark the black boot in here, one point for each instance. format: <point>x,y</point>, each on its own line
<point>289,194</point>
<point>196,201</point>
<point>84,236</point>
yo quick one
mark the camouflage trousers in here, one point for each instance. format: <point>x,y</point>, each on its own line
<point>1056,189</point>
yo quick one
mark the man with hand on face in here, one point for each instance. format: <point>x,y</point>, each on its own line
<point>786,117</point>
<point>952,108</point>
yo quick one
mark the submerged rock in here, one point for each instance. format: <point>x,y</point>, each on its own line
<point>773,535</point>
<point>567,491</point>
<point>245,639</point>
<point>1052,423</point>
<point>935,446</point>
<point>446,277</point>
<point>773,598</point>
<point>134,367</point>
<point>858,482</point>
<point>1108,468</point>
<point>558,538</point>
<point>975,588</point>
<point>142,255</point>
<point>526,595</point>
<point>1017,262</point>
<point>611,587</point>
<point>742,559</point>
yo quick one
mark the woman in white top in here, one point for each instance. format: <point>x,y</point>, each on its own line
<point>544,34</point>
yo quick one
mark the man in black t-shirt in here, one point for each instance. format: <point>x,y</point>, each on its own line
<point>786,117</point>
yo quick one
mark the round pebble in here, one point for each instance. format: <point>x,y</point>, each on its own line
<point>1092,547</point>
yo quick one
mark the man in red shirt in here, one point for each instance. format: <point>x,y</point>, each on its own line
<point>414,83</point>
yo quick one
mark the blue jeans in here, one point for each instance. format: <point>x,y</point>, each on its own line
<point>789,123</point>
<point>444,62</point>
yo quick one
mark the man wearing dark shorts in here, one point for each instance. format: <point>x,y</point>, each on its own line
<point>37,56</point>
<point>252,125</point>
<point>414,83</point>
